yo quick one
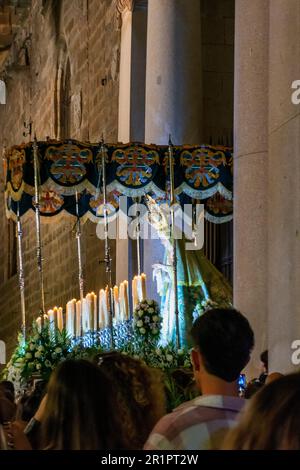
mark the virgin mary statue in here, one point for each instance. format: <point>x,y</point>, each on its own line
<point>199,286</point>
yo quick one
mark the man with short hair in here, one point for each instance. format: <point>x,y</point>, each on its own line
<point>223,340</point>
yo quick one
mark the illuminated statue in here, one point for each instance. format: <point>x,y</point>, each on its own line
<point>199,286</point>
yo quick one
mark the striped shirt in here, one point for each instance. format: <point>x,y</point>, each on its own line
<point>198,424</point>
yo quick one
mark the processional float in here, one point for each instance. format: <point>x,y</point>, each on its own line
<point>86,181</point>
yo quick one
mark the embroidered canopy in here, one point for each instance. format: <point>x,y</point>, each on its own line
<point>202,173</point>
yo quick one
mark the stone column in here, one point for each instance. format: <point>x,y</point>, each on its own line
<point>250,168</point>
<point>125,12</point>
<point>173,75</point>
<point>133,21</point>
<point>284,185</point>
<point>131,127</point>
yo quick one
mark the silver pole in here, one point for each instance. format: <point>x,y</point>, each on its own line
<point>38,225</point>
<point>173,241</point>
<point>107,256</point>
<point>79,252</point>
<point>21,271</point>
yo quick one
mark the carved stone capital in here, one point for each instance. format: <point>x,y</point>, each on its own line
<point>121,7</point>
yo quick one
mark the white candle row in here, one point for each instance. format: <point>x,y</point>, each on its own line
<point>92,313</point>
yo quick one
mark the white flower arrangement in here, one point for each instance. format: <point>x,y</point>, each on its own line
<point>147,320</point>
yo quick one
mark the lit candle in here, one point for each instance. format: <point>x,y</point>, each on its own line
<point>51,321</point>
<point>143,282</point>
<point>102,309</point>
<point>55,316</point>
<point>78,319</point>
<point>108,306</point>
<point>70,317</point>
<point>126,301</point>
<point>95,312</point>
<point>116,304</point>
<point>92,312</point>
<point>60,319</point>
<point>85,315</point>
<point>121,302</point>
<point>89,313</point>
<point>134,292</point>
<point>139,288</point>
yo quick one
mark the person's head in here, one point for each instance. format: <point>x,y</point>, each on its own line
<point>139,393</point>
<point>264,361</point>
<point>223,340</point>
<point>80,409</point>
<point>271,419</point>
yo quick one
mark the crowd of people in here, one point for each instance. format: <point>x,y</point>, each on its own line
<point>117,402</point>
